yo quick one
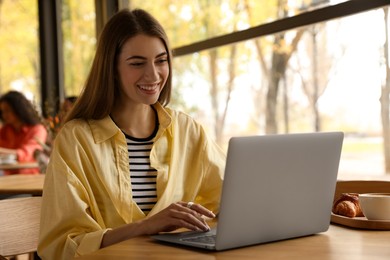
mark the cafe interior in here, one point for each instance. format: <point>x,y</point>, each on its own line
<point>241,68</point>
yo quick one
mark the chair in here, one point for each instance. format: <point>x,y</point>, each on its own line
<point>361,186</point>
<point>19,226</point>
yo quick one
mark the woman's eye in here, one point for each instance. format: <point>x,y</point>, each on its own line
<point>137,64</point>
<point>161,61</point>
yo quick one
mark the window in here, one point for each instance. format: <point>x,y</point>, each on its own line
<point>79,40</point>
<point>190,21</point>
<point>328,76</point>
<point>19,63</point>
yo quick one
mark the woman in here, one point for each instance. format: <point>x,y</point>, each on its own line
<point>123,164</point>
<point>22,130</point>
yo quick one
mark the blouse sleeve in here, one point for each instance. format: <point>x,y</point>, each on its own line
<point>70,225</point>
<point>214,159</point>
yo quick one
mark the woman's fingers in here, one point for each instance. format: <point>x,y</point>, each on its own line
<point>193,214</point>
<point>180,215</point>
<point>191,220</point>
<point>200,209</point>
<point>192,224</point>
<point>197,208</point>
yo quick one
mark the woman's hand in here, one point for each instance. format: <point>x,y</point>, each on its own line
<point>178,215</point>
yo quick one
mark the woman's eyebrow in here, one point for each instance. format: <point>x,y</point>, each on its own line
<point>143,58</point>
<point>162,54</point>
<point>136,57</point>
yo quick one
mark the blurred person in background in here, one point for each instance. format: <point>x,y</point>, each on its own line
<point>66,106</point>
<point>54,123</point>
<point>21,132</point>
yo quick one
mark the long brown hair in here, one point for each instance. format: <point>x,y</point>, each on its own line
<point>102,86</point>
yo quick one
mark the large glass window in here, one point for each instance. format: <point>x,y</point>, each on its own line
<point>189,21</point>
<point>19,51</point>
<point>79,40</point>
<point>324,77</point>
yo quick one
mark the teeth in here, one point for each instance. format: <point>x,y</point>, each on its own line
<point>148,87</point>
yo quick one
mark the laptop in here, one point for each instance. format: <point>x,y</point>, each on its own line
<point>275,187</point>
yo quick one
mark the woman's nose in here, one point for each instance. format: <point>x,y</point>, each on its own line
<point>151,72</point>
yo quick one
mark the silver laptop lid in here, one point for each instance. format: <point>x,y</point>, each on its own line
<point>277,187</point>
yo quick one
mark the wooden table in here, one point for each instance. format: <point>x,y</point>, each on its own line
<point>17,166</point>
<point>22,184</point>
<point>337,243</point>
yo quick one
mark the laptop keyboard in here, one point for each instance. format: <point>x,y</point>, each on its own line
<point>206,239</point>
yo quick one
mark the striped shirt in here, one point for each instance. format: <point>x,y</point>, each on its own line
<point>142,175</point>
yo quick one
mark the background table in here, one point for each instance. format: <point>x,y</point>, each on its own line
<point>16,166</point>
<point>337,243</point>
<point>22,184</point>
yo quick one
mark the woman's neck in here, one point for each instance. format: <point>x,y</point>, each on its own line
<point>137,122</point>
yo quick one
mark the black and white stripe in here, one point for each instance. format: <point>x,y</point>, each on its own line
<point>143,176</point>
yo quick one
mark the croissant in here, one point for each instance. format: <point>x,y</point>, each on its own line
<point>348,205</point>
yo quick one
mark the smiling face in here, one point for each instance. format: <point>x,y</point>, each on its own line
<point>143,69</point>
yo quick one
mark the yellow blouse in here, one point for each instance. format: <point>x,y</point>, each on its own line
<point>88,189</point>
